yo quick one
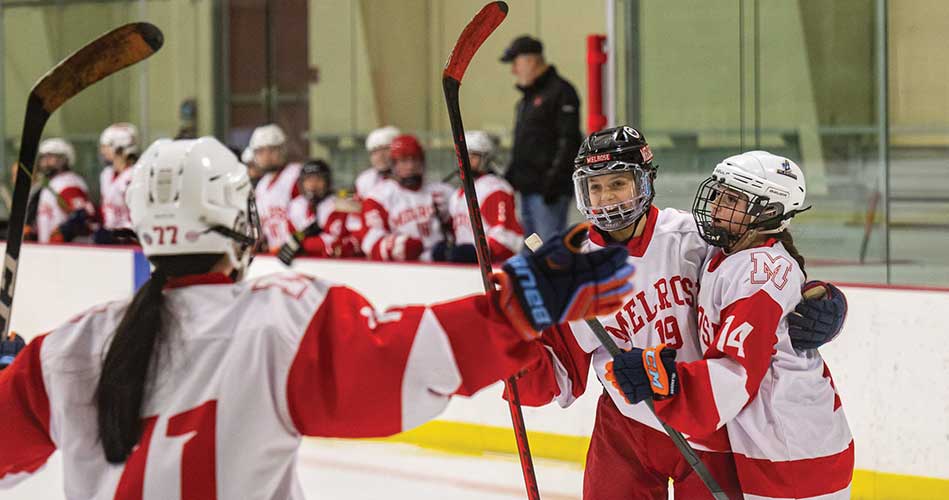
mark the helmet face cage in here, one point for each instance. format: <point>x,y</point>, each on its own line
<point>623,213</point>
<point>246,234</point>
<point>713,195</point>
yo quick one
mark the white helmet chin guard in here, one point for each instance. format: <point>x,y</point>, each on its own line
<point>193,197</point>
<point>773,186</point>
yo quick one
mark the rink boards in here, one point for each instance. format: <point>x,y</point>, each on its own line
<point>890,364</point>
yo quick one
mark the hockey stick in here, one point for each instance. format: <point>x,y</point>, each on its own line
<point>533,242</point>
<point>100,58</point>
<point>868,221</point>
<point>474,34</point>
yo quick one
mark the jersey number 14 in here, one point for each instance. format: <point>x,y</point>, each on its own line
<point>734,337</point>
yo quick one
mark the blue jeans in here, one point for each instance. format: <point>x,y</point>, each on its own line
<point>541,218</point>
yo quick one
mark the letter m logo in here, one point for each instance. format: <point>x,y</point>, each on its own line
<point>773,268</point>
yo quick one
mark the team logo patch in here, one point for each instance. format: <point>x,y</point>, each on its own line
<point>646,153</point>
<point>192,236</point>
<point>538,101</point>
<point>786,169</point>
<point>598,158</point>
<point>147,238</point>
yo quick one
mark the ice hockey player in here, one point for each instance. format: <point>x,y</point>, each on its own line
<point>629,451</point>
<point>119,145</point>
<point>378,144</point>
<point>318,217</point>
<point>278,186</point>
<point>203,385</point>
<point>773,399</point>
<point>253,171</point>
<point>405,216</point>
<point>106,139</point>
<point>64,209</point>
<point>496,200</point>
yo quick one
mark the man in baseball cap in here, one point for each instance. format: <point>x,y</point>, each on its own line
<point>523,44</point>
<point>546,138</point>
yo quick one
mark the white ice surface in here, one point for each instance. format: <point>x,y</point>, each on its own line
<point>362,470</point>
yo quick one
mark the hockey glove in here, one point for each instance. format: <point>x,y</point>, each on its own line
<point>77,224</point>
<point>289,250</point>
<point>560,283</point>
<point>400,247</point>
<point>819,317</point>
<point>441,251</point>
<point>464,253</point>
<point>9,348</point>
<point>639,374</point>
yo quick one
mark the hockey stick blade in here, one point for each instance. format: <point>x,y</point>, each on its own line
<point>470,40</point>
<point>533,242</point>
<point>111,52</point>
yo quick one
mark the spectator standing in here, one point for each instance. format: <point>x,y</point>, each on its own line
<point>546,138</point>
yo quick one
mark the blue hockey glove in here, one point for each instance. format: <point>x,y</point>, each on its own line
<point>817,320</point>
<point>643,373</point>
<point>560,283</point>
<point>9,348</point>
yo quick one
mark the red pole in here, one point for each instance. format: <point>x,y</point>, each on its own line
<point>596,59</point>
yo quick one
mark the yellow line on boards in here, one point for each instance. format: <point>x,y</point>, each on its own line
<point>476,439</point>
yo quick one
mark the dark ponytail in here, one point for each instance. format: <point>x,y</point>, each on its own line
<point>788,241</point>
<point>132,356</point>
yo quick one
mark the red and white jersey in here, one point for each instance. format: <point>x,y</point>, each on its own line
<point>391,212</point>
<point>333,215</point>
<point>668,258</point>
<point>252,367</point>
<point>112,187</point>
<point>66,193</point>
<point>496,199</point>
<point>786,426</point>
<point>367,180</point>
<point>273,195</point>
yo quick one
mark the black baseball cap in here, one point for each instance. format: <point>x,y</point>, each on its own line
<point>522,45</point>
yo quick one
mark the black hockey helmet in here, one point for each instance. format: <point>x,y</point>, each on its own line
<point>320,168</point>
<point>614,151</point>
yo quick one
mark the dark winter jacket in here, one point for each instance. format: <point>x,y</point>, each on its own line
<point>546,137</point>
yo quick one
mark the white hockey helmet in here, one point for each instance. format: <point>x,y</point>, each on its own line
<point>193,196</point>
<point>381,137</point>
<point>479,142</point>
<point>58,146</point>
<point>120,136</point>
<point>773,185</point>
<point>266,136</point>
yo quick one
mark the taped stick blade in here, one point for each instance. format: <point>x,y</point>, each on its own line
<point>475,33</point>
<point>111,52</point>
